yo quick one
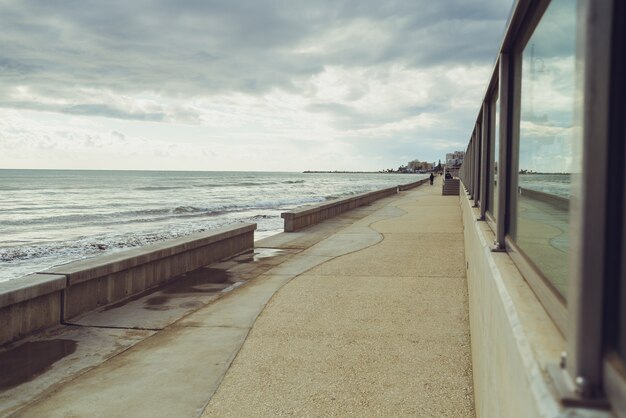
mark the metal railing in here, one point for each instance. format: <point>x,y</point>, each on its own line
<point>586,312</point>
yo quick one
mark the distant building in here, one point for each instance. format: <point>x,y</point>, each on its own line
<point>424,166</point>
<point>417,165</point>
<point>455,159</point>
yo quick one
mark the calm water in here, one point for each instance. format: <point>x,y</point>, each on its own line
<point>50,217</point>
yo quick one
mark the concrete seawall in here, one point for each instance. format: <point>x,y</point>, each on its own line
<point>409,186</point>
<point>30,303</point>
<point>310,215</point>
<point>58,294</point>
<point>554,200</point>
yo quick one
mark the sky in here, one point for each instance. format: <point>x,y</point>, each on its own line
<point>242,84</point>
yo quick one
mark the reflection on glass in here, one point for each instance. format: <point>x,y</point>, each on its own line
<point>621,317</point>
<point>496,154</point>
<point>547,142</point>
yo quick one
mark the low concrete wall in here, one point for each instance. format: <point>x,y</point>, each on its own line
<point>408,186</point>
<point>28,304</point>
<point>556,201</point>
<point>513,338</point>
<point>40,300</point>
<point>310,215</point>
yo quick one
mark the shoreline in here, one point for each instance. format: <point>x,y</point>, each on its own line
<point>259,235</point>
<point>356,172</point>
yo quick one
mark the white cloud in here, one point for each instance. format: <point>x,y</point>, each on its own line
<point>241,85</point>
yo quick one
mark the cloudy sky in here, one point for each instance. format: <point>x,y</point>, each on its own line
<point>241,85</point>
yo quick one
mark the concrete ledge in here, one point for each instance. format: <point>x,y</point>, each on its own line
<point>88,269</point>
<point>29,287</point>
<point>29,304</point>
<point>408,186</point>
<point>554,200</point>
<point>41,300</point>
<point>99,281</point>
<point>310,215</point>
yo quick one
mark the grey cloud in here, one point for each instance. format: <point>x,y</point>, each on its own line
<point>346,117</point>
<point>556,33</point>
<point>108,111</point>
<point>198,48</point>
<point>87,109</point>
<point>11,66</point>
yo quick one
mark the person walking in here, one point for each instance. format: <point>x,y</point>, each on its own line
<point>432,178</point>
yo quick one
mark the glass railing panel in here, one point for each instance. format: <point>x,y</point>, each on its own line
<point>546,143</point>
<point>621,304</point>
<point>495,161</point>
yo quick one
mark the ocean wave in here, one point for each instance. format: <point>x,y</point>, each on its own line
<point>64,251</point>
<point>150,188</point>
<point>257,217</point>
<point>210,185</point>
<point>236,184</point>
<point>51,220</point>
<point>253,183</point>
<point>188,209</point>
<point>96,213</point>
<point>343,195</point>
<point>75,215</point>
<point>245,206</point>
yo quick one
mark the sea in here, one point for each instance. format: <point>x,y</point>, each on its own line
<point>51,217</point>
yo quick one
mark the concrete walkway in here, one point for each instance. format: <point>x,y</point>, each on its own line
<point>365,314</point>
<point>382,331</point>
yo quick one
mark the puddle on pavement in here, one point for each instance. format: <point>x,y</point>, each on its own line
<point>192,304</point>
<point>259,254</point>
<point>262,253</point>
<point>31,359</point>
<point>126,301</point>
<point>157,300</point>
<point>205,280</point>
<point>202,280</point>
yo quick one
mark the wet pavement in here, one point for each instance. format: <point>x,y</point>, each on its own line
<point>26,361</point>
<point>31,367</point>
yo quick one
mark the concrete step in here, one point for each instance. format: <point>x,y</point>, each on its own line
<point>451,187</point>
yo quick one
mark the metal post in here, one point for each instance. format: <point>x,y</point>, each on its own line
<point>588,207</point>
<point>476,165</point>
<point>503,167</point>
<point>485,135</point>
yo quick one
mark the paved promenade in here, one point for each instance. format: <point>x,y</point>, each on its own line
<point>381,331</point>
<point>363,315</point>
